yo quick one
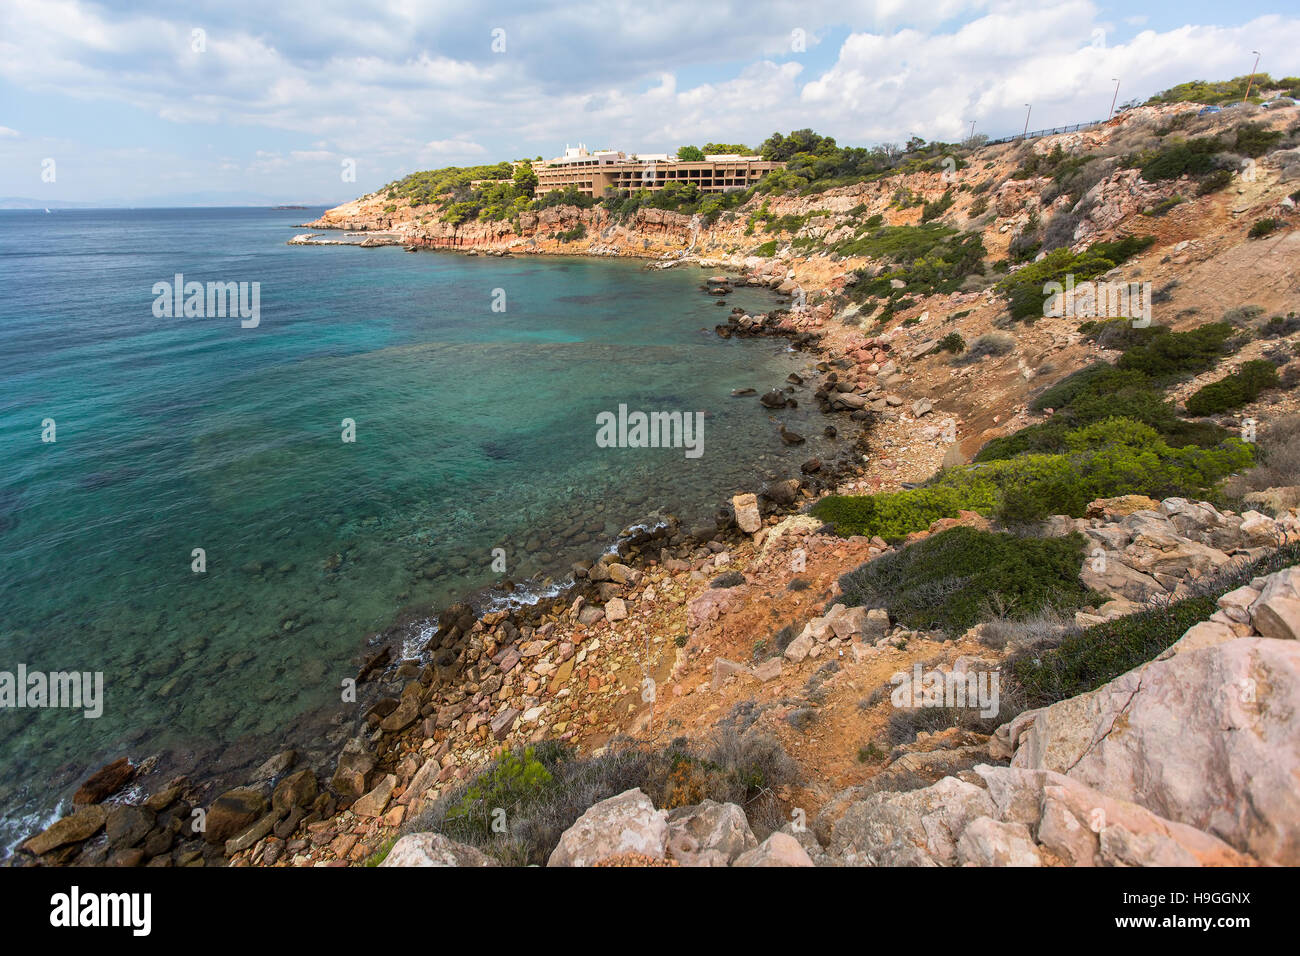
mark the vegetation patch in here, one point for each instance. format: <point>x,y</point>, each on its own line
<point>544,789</point>
<point>949,581</point>
<point>1024,287</point>
<point>1085,660</point>
<point>1165,357</point>
<point>927,260</point>
<point>1233,391</point>
<point>1264,227</point>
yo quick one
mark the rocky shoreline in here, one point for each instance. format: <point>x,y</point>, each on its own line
<point>160,813</point>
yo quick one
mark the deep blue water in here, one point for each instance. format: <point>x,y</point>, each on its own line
<point>475,430</point>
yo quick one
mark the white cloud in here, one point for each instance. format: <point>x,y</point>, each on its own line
<point>408,84</point>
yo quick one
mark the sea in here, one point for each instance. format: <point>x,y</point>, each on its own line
<point>216,514</point>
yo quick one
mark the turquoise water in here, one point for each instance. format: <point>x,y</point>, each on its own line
<point>475,430</point>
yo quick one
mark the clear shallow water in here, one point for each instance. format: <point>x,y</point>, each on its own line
<point>475,430</point>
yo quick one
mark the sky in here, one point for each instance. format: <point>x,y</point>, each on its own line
<point>159,101</point>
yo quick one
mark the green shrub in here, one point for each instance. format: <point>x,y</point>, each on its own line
<point>1116,456</point>
<point>928,259</point>
<point>953,342</point>
<point>1095,394</point>
<point>1090,658</point>
<point>1213,182</point>
<point>1263,227</point>
<point>950,580</point>
<point>572,235</point>
<point>767,249</point>
<point>1233,391</point>
<point>1193,157</point>
<point>1087,659</point>
<point>895,515</point>
<point>514,780</point>
<point>1254,139</point>
<point>1214,92</point>
<point>933,210</point>
<point>1178,353</point>
<point>1102,460</point>
<point>1024,287</point>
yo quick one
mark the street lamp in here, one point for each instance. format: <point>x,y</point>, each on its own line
<point>1114,98</point>
<point>1252,77</point>
<point>1028,109</point>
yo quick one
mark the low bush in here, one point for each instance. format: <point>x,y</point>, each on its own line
<point>1213,182</point>
<point>1024,287</point>
<point>1086,659</point>
<point>947,581</point>
<point>547,787</point>
<point>1263,227</point>
<point>1113,457</point>
<point>1095,394</point>
<point>895,515</point>
<point>1233,391</point>
<point>1277,459</point>
<point>1179,353</point>
<point>935,209</point>
<point>953,342</point>
<point>994,344</point>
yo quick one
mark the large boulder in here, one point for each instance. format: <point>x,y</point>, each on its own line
<point>1078,826</point>
<point>126,825</point>
<point>780,849</point>
<point>434,849</point>
<point>989,842</point>
<point>232,813</point>
<point>710,834</point>
<point>104,782</point>
<point>748,517</point>
<point>1276,612</point>
<point>627,823</point>
<point>296,790</point>
<point>1206,738</point>
<point>78,826</point>
<point>915,828</point>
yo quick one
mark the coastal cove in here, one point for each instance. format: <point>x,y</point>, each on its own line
<point>475,449</point>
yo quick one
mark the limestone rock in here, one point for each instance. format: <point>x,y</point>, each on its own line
<point>1205,738</point>
<point>988,842</point>
<point>627,823</point>
<point>780,849</point>
<point>434,849</point>
<point>1276,612</point>
<point>748,517</point>
<point>710,834</point>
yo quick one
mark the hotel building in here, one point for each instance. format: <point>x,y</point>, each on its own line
<point>594,173</point>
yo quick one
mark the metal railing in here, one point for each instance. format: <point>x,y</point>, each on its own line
<point>1037,133</point>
